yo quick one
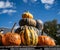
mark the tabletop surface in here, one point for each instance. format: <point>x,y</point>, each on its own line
<point>30,46</point>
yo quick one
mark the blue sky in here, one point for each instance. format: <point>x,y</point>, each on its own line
<point>11,10</point>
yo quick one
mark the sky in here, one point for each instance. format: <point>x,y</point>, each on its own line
<point>11,11</point>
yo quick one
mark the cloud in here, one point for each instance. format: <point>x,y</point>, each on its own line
<point>59,13</point>
<point>6,7</point>
<point>47,3</point>
<point>47,6</point>
<point>33,1</point>
<point>8,11</point>
<point>25,1</point>
<point>6,4</point>
<point>10,22</point>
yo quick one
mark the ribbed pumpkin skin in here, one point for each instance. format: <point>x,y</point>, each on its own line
<point>27,21</point>
<point>29,27</point>
<point>11,39</point>
<point>29,37</point>
<point>1,35</point>
<point>45,41</point>
<point>27,15</point>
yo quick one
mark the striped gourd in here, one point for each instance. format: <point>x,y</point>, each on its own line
<point>29,27</point>
<point>29,37</point>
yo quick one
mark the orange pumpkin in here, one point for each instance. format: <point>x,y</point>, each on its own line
<point>27,15</point>
<point>45,41</point>
<point>11,38</point>
<point>1,35</point>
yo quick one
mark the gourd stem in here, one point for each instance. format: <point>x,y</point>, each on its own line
<point>12,30</point>
<point>26,11</point>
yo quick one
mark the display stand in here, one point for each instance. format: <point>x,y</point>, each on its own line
<point>27,47</point>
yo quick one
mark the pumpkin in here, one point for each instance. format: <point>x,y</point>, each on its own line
<point>11,39</point>
<point>45,41</point>
<point>1,35</point>
<point>29,37</point>
<point>18,30</point>
<point>27,21</point>
<point>27,15</point>
<point>39,24</point>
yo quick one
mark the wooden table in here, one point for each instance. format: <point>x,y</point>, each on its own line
<point>35,47</point>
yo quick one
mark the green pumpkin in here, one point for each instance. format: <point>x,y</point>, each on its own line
<point>29,37</point>
<point>27,21</point>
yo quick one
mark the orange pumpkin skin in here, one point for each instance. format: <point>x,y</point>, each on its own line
<point>27,15</point>
<point>1,35</point>
<point>11,39</point>
<point>45,41</point>
<point>52,43</point>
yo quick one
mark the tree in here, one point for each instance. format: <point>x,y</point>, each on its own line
<point>50,28</point>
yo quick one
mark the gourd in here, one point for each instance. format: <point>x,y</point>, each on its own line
<point>39,24</point>
<point>27,15</point>
<point>44,40</point>
<point>29,37</point>
<point>18,30</point>
<point>11,38</point>
<point>27,21</point>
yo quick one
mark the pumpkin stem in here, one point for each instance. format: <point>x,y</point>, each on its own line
<point>27,11</point>
<point>12,30</point>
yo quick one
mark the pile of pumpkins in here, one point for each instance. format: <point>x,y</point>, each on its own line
<point>27,34</point>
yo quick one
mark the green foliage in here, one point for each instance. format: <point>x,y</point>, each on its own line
<point>50,28</point>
